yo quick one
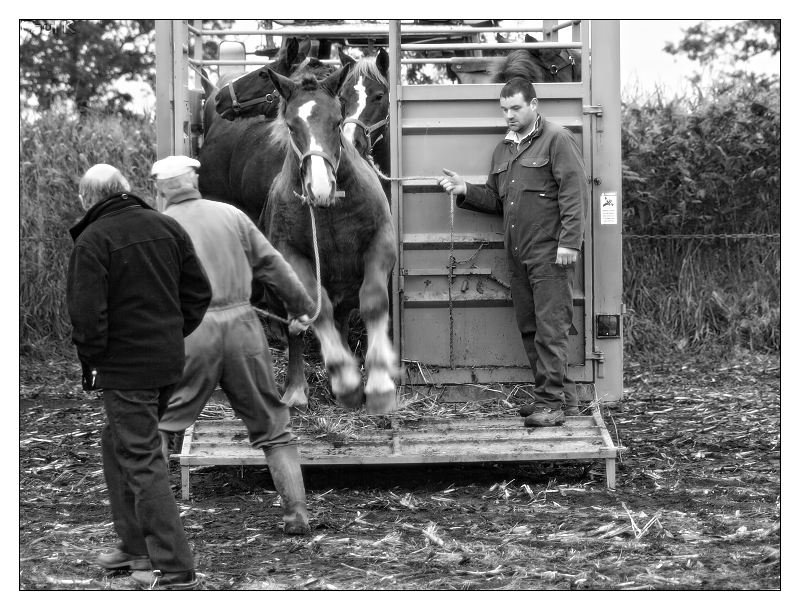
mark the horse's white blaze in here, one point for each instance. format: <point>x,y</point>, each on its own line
<point>335,355</point>
<point>350,128</point>
<point>320,185</point>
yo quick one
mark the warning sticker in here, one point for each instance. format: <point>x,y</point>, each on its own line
<point>608,208</point>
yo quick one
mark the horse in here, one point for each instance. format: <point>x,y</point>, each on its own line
<point>239,162</point>
<point>537,65</point>
<point>225,173</point>
<point>540,65</point>
<point>323,171</point>
<point>250,93</point>
<point>365,97</point>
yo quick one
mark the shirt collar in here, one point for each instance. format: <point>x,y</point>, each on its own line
<point>513,136</point>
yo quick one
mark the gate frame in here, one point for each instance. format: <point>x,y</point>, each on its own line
<point>603,272</point>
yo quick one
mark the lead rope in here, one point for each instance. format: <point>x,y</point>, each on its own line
<point>451,263</point>
<point>266,314</point>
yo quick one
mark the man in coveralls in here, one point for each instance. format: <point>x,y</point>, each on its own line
<point>538,184</point>
<point>135,289</point>
<point>229,347</point>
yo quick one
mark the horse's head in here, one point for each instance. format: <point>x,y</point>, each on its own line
<point>312,113</point>
<point>253,94</point>
<point>556,65</point>
<point>365,100</point>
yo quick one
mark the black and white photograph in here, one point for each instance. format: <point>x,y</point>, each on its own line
<point>399,304</point>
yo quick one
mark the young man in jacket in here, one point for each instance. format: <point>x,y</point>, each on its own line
<point>537,182</point>
<point>229,347</point>
<point>135,289</point>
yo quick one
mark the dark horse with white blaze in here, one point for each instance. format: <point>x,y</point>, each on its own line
<point>301,159</point>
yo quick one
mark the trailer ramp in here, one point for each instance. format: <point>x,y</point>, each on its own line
<point>224,442</point>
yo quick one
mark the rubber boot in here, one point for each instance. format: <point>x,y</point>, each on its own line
<point>284,467</point>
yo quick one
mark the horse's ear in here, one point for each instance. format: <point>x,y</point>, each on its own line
<point>345,59</point>
<point>533,52</point>
<point>334,82</point>
<point>284,86</point>
<point>382,61</point>
<point>292,48</point>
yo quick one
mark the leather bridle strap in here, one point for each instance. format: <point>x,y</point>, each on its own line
<point>368,129</point>
<point>570,64</point>
<point>239,106</point>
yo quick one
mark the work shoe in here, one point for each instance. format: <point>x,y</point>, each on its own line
<point>545,416</point>
<point>284,467</point>
<point>120,560</point>
<point>571,410</point>
<point>156,580</point>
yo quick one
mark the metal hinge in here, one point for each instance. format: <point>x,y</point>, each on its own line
<point>596,110</point>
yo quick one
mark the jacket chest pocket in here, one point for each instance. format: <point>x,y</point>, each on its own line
<point>536,174</point>
<point>500,176</point>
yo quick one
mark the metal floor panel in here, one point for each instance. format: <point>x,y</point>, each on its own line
<point>224,442</point>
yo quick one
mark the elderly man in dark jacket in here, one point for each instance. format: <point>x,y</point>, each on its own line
<point>537,182</point>
<point>135,289</point>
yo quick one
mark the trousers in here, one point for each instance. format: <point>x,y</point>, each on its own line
<point>229,349</point>
<point>143,507</point>
<point>542,296</point>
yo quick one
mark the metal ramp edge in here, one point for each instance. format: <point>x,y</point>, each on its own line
<point>224,442</point>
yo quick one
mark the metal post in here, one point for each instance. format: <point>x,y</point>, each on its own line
<point>607,171</point>
<point>396,136</point>
<point>164,91</point>
<point>172,103</point>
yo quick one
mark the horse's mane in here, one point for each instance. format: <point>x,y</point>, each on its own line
<point>518,63</point>
<point>368,68</point>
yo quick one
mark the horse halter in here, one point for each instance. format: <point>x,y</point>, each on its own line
<point>238,106</point>
<point>570,64</point>
<point>368,129</point>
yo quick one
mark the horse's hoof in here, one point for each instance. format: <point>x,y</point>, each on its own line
<point>296,400</point>
<point>381,403</point>
<point>352,399</point>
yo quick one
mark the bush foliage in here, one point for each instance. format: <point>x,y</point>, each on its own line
<point>690,166</point>
<point>705,166</point>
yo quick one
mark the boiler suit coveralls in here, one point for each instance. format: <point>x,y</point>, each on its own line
<point>541,190</point>
<point>229,347</point>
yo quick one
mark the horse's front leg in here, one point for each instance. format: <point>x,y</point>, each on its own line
<point>343,370</point>
<point>381,359</point>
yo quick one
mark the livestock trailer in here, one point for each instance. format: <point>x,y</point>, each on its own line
<point>453,322</point>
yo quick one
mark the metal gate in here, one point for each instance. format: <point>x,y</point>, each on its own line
<point>453,322</point>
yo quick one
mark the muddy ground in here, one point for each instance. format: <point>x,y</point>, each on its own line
<point>697,503</point>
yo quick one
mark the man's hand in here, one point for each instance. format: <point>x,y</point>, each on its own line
<point>299,325</point>
<point>566,256</point>
<point>453,183</point>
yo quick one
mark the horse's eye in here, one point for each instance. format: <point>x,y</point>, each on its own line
<point>379,97</point>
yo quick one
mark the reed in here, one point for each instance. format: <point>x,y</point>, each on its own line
<point>55,150</point>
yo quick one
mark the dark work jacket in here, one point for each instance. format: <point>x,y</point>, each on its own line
<point>541,190</point>
<point>135,289</point>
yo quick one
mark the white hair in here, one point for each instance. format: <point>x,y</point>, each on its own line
<point>101,181</point>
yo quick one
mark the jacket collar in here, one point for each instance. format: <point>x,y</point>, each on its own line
<point>514,137</point>
<point>109,205</point>
<point>184,194</point>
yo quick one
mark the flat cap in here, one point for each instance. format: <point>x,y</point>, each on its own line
<point>169,167</point>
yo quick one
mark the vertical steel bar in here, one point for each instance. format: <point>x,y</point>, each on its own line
<point>606,166</point>
<point>395,147</point>
<point>164,88</point>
